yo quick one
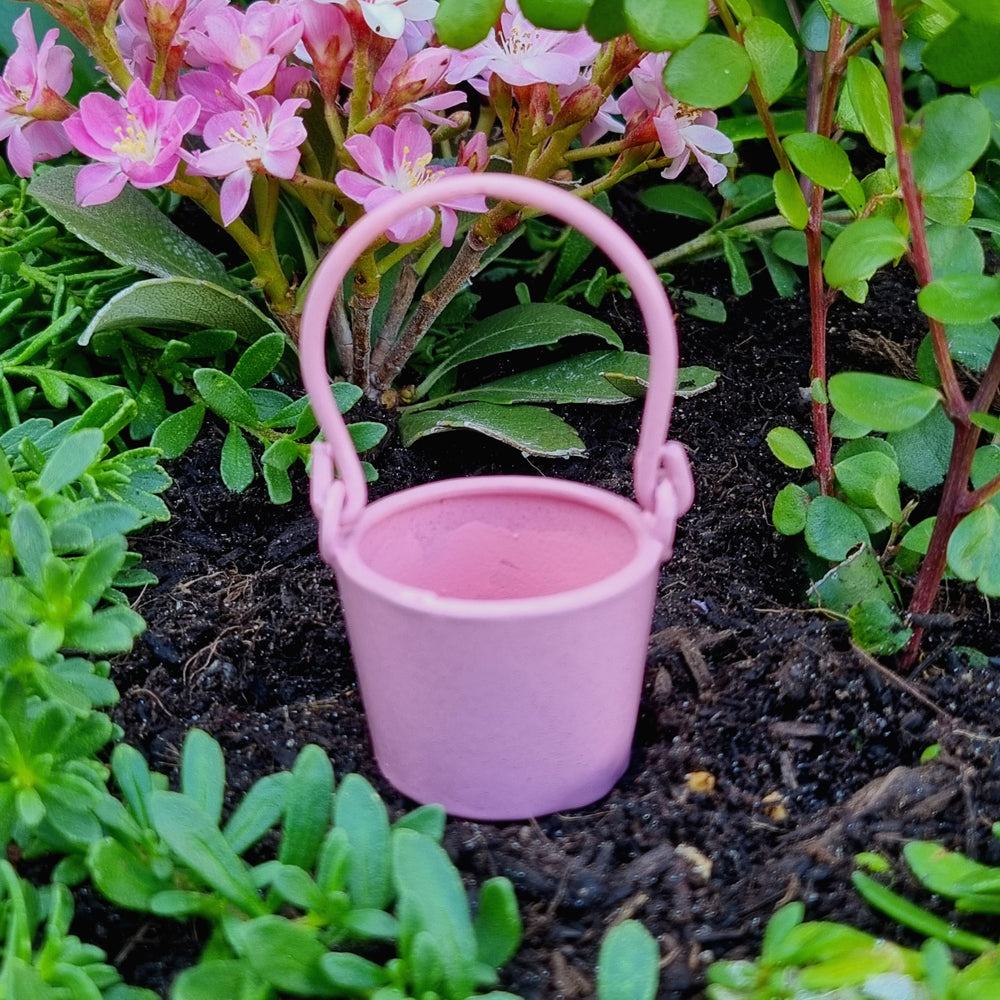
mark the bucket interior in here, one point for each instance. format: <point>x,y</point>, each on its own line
<point>498,546</point>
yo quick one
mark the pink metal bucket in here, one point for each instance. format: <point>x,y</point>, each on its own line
<point>499,624</point>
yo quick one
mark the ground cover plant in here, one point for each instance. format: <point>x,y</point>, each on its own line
<point>80,476</point>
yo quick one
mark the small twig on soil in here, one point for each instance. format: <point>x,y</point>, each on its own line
<point>901,682</point>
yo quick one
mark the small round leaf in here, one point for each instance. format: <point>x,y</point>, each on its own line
<point>833,529</point>
<point>712,71</point>
<point>790,448</point>
<point>881,402</point>
<point>961,298</point>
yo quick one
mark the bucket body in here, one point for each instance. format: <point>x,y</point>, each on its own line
<point>499,628</point>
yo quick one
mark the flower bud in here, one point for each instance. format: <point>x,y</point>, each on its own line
<point>474,153</point>
<point>419,75</point>
<point>581,106</point>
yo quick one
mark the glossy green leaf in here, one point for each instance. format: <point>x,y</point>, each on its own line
<point>556,15</point>
<point>953,204</point>
<point>790,448</point>
<point>537,324</point>
<point>659,26</point>
<point>954,132</point>
<point>790,200</point>
<point>949,873</point>
<point>954,250</point>
<point>498,923</point>
<point>531,429</point>
<point>966,53</point>
<point>869,97</point>
<point>179,304</point>
<point>789,512</point>
<point>782,923</point>
<point>177,433</point>
<point>679,199</point>
<point>773,55</point>
<point>871,479</point>
<point>881,402</point>
<point>236,462</point>
<point>863,13</point>
<point>606,20</point>
<point>820,159</point>
<point>464,23</point>
<point>130,229</point>
<point>628,963</point>
<point>860,249</point>
<point>961,298</point>
<point>710,72</point>
<point>832,529</point>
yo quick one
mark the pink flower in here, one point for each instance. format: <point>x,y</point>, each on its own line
<point>263,137</point>
<point>393,161</point>
<point>32,89</point>
<point>389,18</point>
<point>136,139</point>
<point>252,43</point>
<point>148,24</point>
<point>522,54</point>
<point>326,36</point>
<point>683,132</point>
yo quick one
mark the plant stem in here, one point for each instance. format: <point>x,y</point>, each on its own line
<point>402,297</point>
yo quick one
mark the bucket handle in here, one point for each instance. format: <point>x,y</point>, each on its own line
<point>662,475</point>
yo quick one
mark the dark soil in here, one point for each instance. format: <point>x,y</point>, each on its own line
<point>769,751</point>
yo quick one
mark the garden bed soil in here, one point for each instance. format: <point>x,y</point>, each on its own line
<point>769,750</point>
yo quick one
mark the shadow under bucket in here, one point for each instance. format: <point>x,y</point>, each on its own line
<point>499,624</point>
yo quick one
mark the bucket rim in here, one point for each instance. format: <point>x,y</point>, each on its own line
<point>345,555</point>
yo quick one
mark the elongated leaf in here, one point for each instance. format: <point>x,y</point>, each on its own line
<point>537,324</point>
<point>180,304</point>
<point>199,844</point>
<point>869,98</point>
<point>286,955</point>
<point>949,873</point>
<point>533,430</point>
<point>790,448</point>
<point>177,433</point>
<point>260,810</point>
<point>790,200</point>
<point>679,199</point>
<point>819,158</point>
<point>130,230</point>
<point>308,809</point>
<point>236,462</point>
<point>259,359</point>
<point>361,813</point>
<point>498,923</point>
<point>203,772</point>
<point>774,56</point>
<point>881,402</point>
<point>72,458</point>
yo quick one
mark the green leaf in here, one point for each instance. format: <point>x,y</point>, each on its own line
<point>531,429</point>
<point>225,396</point>
<point>180,304</point>
<point>869,97</point>
<point>197,842</point>
<point>859,250</point>
<point>863,13</point>
<point>352,974</point>
<point>236,464</point>
<point>463,23</point>
<point>881,402</point>
<point>606,20</point>
<point>789,513</point>
<point>659,27</point>
<point>790,448</point>
<point>212,979</point>
<point>557,15</point>
<point>261,809</point>
<point>738,273</point>
<point>790,200</point>
<point>259,359</point>
<point>365,434</point>
<point>308,810</point>
<point>579,379</point>
<point>858,578</point>
<point>130,230</point>
<point>203,773</point>
<point>177,433</point>
<point>871,479</point>
<point>498,923</point>
<point>974,549</point>
<point>679,199</point>
<point>361,813</point>
<point>954,250</point>
<point>833,529</point>
<point>628,964</point>
<point>77,453</point>
<point>961,298</point>
<point>876,627</point>
<point>955,131</point>
<point>952,205</point>
<point>773,54</point>
<point>949,873</point>
<point>711,72</point>
<point>820,159</point>
<point>965,53</point>
<point>285,954</point>
<point>120,876</point>
<point>537,324</point>
<point>778,929</point>
<point>923,451</point>
<point>29,539</point>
